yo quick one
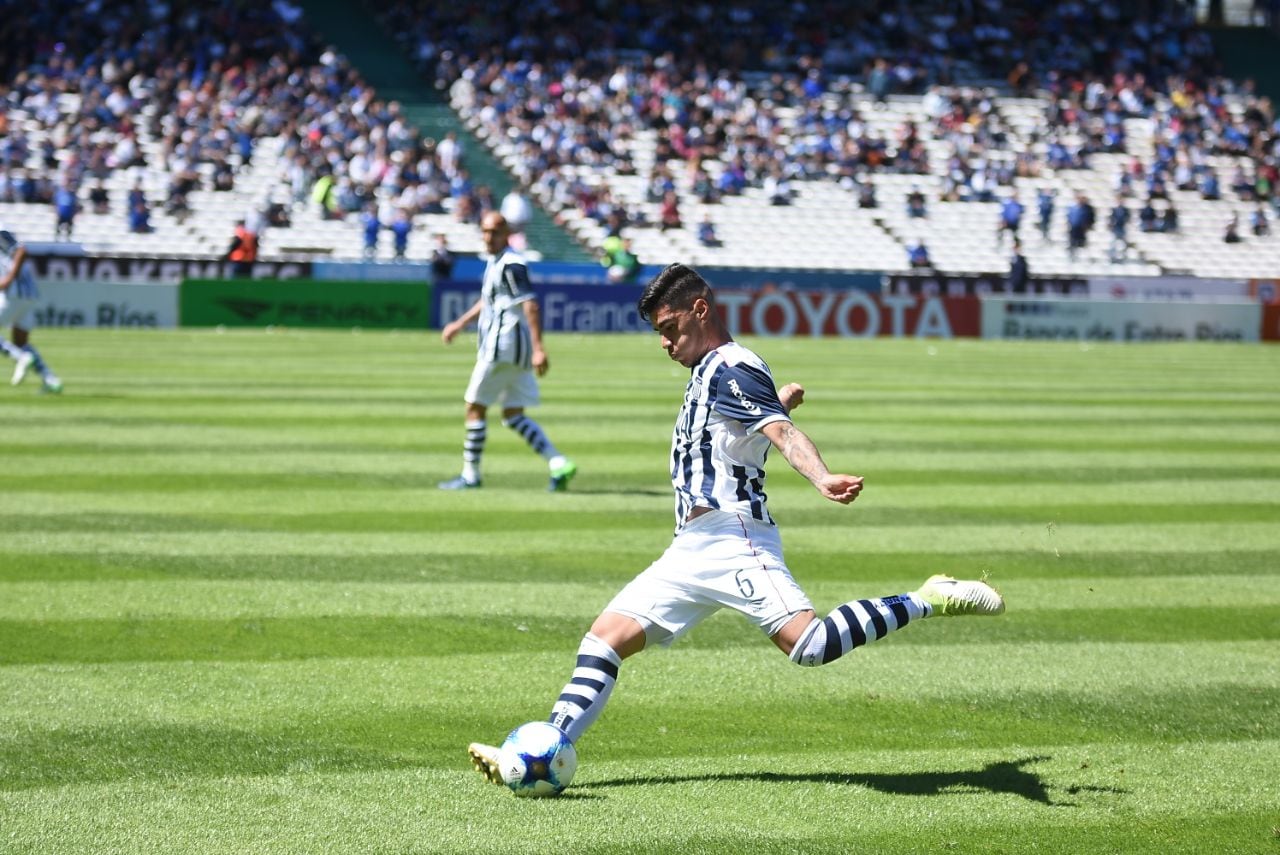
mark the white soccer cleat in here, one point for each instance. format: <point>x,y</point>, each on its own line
<point>950,597</point>
<point>459,483</point>
<point>20,370</point>
<point>485,759</point>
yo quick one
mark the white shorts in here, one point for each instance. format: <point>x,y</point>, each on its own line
<point>493,382</point>
<point>17,311</point>
<point>719,560</point>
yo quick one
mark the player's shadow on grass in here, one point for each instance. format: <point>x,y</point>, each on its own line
<point>1000,777</point>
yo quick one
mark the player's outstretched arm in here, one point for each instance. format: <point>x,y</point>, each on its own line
<point>450,330</point>
<point>803,456</point>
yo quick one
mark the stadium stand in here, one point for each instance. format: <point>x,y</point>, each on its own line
<point>147,98</point>
<point>1075,130</point>
<point>798,134</point>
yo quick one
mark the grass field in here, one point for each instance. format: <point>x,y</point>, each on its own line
<point>236,616</point>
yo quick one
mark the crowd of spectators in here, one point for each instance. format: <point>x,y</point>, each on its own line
<point>748,96</point>
<point>203,84</point>
<point>203,80</point>
<point>754,95</point>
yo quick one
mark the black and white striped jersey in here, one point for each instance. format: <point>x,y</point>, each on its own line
<point>717,450</point>
<point>23,286</point>
<point>503,329</point>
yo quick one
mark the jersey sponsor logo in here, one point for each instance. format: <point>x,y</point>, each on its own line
<point>747,404</point>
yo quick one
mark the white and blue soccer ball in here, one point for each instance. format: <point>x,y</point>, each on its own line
<point>537,759</point>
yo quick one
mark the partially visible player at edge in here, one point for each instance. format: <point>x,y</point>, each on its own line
<point>726,552</point>
<point>18,295</point>
<point>509,354</point>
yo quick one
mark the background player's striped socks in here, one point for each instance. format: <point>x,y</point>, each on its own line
<point>473,449</point>
<point>532,433</point>
<point>583,699</point>
<point>36,362</point>
<point>854,624</point>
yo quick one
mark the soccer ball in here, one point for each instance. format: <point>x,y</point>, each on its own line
<point>537,759</point>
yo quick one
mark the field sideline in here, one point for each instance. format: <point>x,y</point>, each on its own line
<point>236,615</point>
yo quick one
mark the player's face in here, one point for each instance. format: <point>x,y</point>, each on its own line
<point>682,332</point>
<point>494,233</point>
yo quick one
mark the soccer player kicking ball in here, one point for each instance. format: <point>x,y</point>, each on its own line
<point>727,552</point>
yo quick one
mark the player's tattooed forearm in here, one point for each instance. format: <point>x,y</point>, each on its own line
<point>801,453</point>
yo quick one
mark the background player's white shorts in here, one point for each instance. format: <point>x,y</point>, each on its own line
<point>17,311</point>
<point>494,382</point>
<point>719,560</point>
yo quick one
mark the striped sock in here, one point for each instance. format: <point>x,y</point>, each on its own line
<point>853,625</point>
<point>473,449</point>
<point>36,362</point>
<point>532,433</point>
<point>583,699</point>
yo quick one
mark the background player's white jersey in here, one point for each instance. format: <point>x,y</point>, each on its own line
<point>24,286</point>
<point>504,330</point>
<point>717,451</point>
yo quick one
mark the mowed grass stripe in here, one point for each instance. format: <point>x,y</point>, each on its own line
<point>71,757</point>
<point>250,694</point>
<point>347,686</point>
<point>584,565</point>
<point>121,420</point>
<point>1071,799</point>
<point>853,540</point>
<point>251,432</point>
<point>866,707</point>
<point>270,461</point>
<point>533,521</point>
<point>884,497</point>
<point>631,479</point>
<point>142,639</point>
<point>424,520</point>
<point>554,598</point>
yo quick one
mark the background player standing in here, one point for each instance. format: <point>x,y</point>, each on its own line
<point>727,552</point>
<point>18,295</point>
<point>509,354</point>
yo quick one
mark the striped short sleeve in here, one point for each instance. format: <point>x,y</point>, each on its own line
<point>745,393</point>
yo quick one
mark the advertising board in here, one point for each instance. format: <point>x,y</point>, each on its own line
<point>775,312</point>
<point>304,303</point>
<point>1119,320</point>
<point>565,308</point>
<point>849,314</point>
<point>107,304</point>
<point>1271,322</point>
<point>1189,288</point>
<point>106,268</point>
<point>978,284</point>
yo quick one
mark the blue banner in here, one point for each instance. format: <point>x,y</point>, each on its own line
<point>565,308</point>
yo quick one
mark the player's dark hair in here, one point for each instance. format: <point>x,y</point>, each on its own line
<point>676,287</point>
